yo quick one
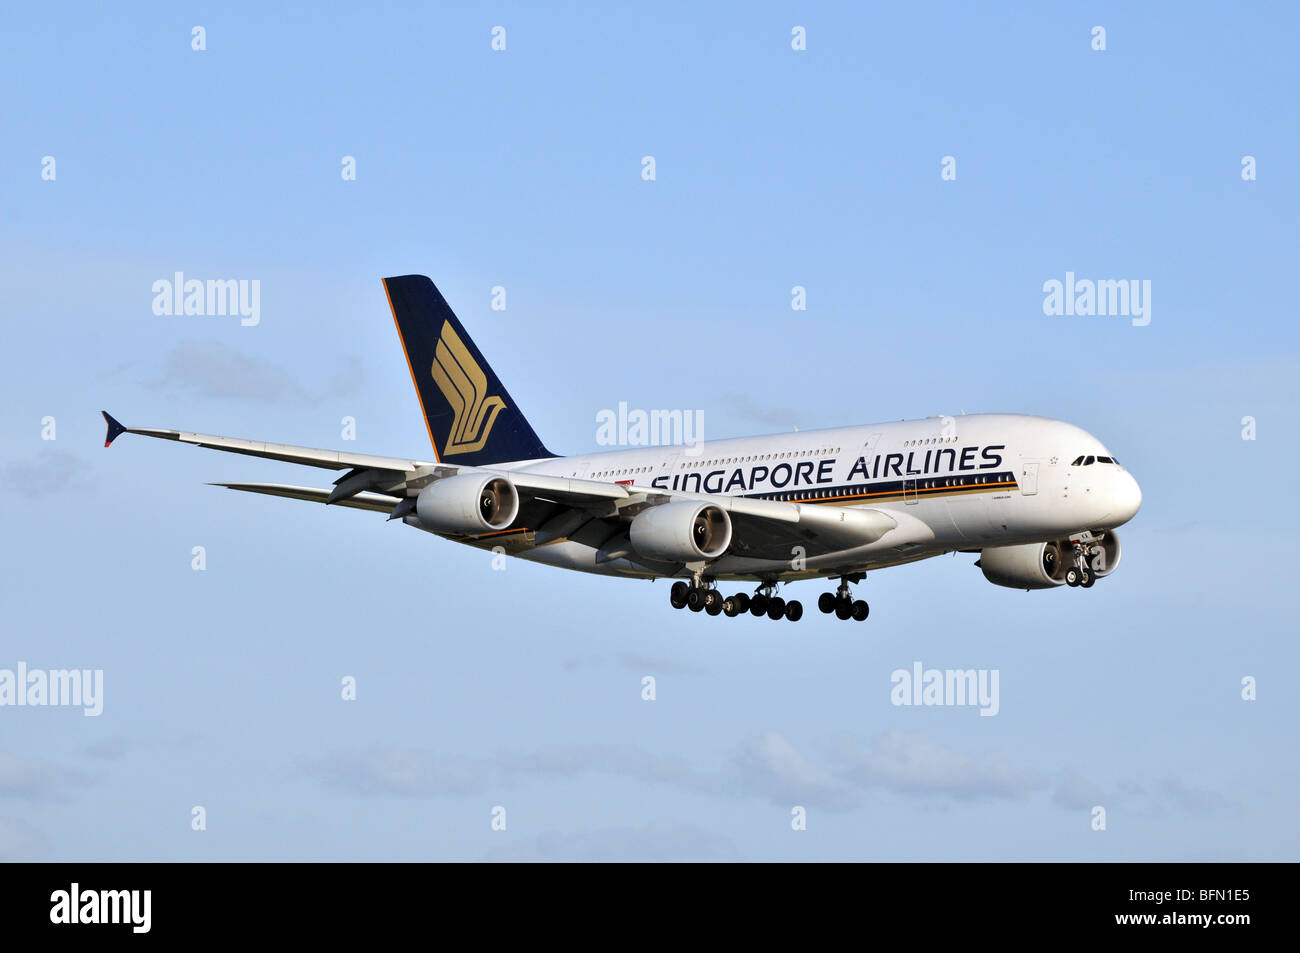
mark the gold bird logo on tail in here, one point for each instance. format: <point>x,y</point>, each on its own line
<point>464,385</point>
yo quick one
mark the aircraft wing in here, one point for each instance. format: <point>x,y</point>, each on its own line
<point>395,476</point>
<point>761,529</point>
<point>308,456</point>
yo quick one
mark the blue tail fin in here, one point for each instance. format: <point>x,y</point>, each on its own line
<point>470,417</point>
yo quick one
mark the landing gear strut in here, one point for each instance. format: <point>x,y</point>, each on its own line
<point>1086,549</point>
<point>765,602</point>
<point>699,595</point>
<point>842,603</point>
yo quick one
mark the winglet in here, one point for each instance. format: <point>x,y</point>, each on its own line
<point>115,429</point>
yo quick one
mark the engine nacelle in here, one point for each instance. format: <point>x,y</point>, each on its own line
<point>1028,566</point>
<point>684,532</point>
<point>469,504</point>
<point>1043,565</point>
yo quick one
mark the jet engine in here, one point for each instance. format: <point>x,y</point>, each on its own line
<point>683,532</point>
<point>470,504</point>
<point>1044,565</point>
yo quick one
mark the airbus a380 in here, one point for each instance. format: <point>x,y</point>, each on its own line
<point>1038,499</point>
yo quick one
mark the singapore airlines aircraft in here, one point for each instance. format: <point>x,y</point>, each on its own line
<point>1038,499</point>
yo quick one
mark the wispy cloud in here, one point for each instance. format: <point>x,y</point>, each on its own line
<point>1192,799</point>
<point>117,747</point>
<point>212,369</point>
<point>655,841</point>
<point>33,778</point>
<point>1074,792</point>
<point>400,771</point>
<point>49,473</point>
<point>633,661</point>
<point>914,763</point>
<point>771,767</point>
<point>767,415</point>
<point>19,840</point>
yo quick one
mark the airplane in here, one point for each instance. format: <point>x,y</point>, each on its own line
<point>1038,499</point>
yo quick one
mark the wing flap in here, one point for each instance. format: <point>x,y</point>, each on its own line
<point>377,502</point>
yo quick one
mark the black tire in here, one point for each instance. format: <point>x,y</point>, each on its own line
<point>826,602</point>
<point>775,608</point>
<point>742,602</point>
<point>712,598</point>
<point>843,609</point>
<point>729,608</point>
<point>860,611</point>
<point>714,608</point>
<point>1072,576</point>
<point>758,605</point>
<point>1087,579</point>
<point>695,600</point>
<point>794,610</point>
<point>677,595</point>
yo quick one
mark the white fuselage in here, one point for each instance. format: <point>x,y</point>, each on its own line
<point>960,483</point>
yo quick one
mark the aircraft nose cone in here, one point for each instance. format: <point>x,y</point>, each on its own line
<point>1128,498</point>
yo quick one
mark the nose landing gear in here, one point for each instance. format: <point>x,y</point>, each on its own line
<point>1086,549</point>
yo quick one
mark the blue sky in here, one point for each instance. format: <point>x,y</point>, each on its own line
<point>522,168</point>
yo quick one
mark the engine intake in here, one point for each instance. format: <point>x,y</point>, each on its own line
<point>469,504</point>
<point>683,532</point>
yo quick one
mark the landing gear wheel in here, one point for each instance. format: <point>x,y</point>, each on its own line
<point>677,595</point>
<point>1072,576</point>
<point>712,598</point>
<point>794,610</point>
<point>758,605</point>
<point>775,608</point>
<point>826,602</point>
<point>860,610</point>
<point>714,607</point>
<point>695,600</point>
<point>742,602</point>
<point>729,608</point>
<point>843,609</point>
<point>1087,578</point>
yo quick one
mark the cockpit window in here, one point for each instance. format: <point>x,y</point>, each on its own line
<point>1088,461</point>
<point>1105,460</point>
<point>1077,461</point>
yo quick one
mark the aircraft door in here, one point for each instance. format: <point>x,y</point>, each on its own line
<point>1029,478</point>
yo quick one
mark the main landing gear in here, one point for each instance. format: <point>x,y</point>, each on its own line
<point>1083,573</point>
<point>699,595</point>
<point>842,603</point>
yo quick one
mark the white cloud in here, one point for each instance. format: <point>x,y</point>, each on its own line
<point>19,840</point>
<point>655,841</point>
<point>400,771</point>
<point>1074,792</point>
<point>914,763</point>
<point>772,767</point>
<point>32,778</point>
